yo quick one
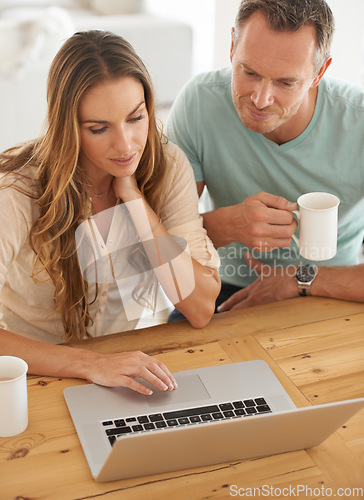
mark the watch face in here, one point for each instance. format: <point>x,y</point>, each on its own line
<point>306,273</point>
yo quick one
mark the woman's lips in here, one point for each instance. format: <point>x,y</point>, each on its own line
<point>124,162</point>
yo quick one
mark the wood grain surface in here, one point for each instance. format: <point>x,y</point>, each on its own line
<point>314,346</point>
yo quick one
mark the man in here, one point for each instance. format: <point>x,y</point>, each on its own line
<point>259,135</point>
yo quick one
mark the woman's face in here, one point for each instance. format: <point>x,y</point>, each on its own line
<point>114,122</point>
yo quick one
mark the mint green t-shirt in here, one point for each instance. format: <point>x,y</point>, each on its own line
<point>235,162</point>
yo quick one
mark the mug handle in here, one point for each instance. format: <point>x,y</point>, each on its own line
<point>295,239</point>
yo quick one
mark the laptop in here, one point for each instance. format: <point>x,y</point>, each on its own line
<point>218,414</point>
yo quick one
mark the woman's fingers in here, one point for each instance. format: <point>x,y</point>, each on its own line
<point>121,370</point>
<point>157,374</point>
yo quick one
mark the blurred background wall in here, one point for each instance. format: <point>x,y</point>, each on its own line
<point>176,40</point>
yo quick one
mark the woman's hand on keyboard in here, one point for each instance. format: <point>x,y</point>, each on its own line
<point>115,370</point>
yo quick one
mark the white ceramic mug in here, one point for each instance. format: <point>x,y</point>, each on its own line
<point>317,215</point>
<point>13,396</point>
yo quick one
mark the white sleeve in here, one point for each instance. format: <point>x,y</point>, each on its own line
<point>15,223</point>
<point>180,210</point>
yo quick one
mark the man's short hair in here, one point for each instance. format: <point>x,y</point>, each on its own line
<point>292,15</point>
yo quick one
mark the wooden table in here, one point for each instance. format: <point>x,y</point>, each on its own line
<point>315,346</point>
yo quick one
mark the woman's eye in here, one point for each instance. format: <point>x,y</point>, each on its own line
<point>98,130</point>
<point>136,118</point>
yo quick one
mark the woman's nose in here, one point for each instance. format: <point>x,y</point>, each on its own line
<point>122,141</point>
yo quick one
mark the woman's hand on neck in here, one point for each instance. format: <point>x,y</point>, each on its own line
<point>126,188</point>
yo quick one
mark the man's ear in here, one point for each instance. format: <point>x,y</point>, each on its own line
<point>321,72</point>
<point>232,44</point>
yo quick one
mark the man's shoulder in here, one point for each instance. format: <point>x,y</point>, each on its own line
<point>342,91</point>
<point>211,79</point>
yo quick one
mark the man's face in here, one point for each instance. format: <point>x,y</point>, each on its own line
<point>273,73</point>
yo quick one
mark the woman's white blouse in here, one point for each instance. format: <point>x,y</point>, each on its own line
<point>27,307</point>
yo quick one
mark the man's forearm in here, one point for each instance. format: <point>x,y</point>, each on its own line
<point>217,224</point>
<point>340,282</point>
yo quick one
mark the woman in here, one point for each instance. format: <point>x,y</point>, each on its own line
<point>102,164</point>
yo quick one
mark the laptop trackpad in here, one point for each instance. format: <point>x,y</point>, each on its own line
<point>190,388</point>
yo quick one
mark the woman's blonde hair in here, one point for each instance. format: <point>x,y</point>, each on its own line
<point>85,60</point>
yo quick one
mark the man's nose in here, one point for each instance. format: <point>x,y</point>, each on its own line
<point>262,95</point>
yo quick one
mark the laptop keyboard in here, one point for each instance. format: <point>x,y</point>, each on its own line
<point>148,422</point>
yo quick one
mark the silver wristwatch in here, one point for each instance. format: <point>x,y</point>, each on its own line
<point>305,275</point>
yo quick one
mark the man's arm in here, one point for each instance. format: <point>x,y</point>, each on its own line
<point>340,282</point>
<point>275,284</point>
<point>263,221</point>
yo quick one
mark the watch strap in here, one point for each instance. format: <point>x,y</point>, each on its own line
<point>304,289</point>
<point>305,275</point>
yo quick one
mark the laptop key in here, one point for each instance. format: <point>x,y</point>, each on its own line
<point>108,422</point>
<point>226,406</point>
<point>229,414</point>
<point>263,408</point>
<point>238,404</point>
<point>251,410</point>
<point>183,421</point>
<point>249,402</point>
<point>160,425</point>
<point>206,418</point>
<point>156,417</point>
<point>189,412</point>
<point>240,412</point>
<point>131,419</point>
<point>195,418</point>
<point>217,415</point>
<point>137,428</point>
<point>260,401</point>
<point>143,419</point>
<point>172,422</point>
<point>120,422</point>
<point>118,430</point>
<point>124,431</point>
<point>149,426</point>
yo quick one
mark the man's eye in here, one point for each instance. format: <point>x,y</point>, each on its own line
<point>287,84</point>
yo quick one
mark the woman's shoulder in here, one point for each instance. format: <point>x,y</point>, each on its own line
<point>24,177</point>
<point>176,157</point>
<point>18,188</point>
<point>180,174</point>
